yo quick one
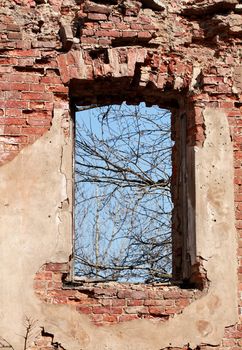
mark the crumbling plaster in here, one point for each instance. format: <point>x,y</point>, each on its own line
<point>36,186</point>
<point>35,228</point>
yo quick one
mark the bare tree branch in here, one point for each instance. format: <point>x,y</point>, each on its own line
<point>123,200</point>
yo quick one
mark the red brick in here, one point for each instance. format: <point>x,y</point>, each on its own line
<point>39,114</point>
<point>212,80</point>
<point>50,80</point>
<point>107,25</point>
<point>158,302</point>
<point>172,294</point>
<point>39,284</point>
<point>11,27</point>
<point>154,294</point>
<point>97,319</point>
<point>88,301</point>
<point>125,318</point>
<point>97,16</point>
<point>105,41</point>
<point>136,26</point>
<point>4,86</point>
<point>63,267</point>
<point>101,310</point>
<point>12,121</point>
<point>14,36</point>
<point>16,104</point>
<point>18,139</point>
<point>149,27</point>
<point>236,334</point>
<point>12,95</point>
<point>114,19</point>
<point>36,105</point>
<point>105,291</point>
<point>129,34</point>
<point>137,310</point>
<point>139,294</point>
<point>96,8</point>
<point>144,19</point>
<point>122,26</point>
<point>43,276</point>
<point>57,88</point>
<point>110,318</point>
<point>84,309</point>
<point>144,35</point>
<point>228,342</point>
<point>123,294</point>
<point>25,53</point>
<point>155,310</point>
<point>59,300</point>
<point>182,302</point>
<point>29,83</point>
<point>37,96</point>
<point>20,86</point>
<point>107,310</point>
<point>118,302</point>
<point>88,32</point>
<point>108,33</point>
<point>135,302</point>
<point>64,69</point>
<point>12,130</point>
<point>116,310</point>
<point>8,61</point>
<point>88,41</point>
<point>37,87</point>
<point>38,121</point>
<point>226,104</point>
<point>54,285</point>
<point>171,311</point>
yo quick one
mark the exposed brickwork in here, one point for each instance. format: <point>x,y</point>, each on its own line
<point>107,303</point>
<point>51,51</point>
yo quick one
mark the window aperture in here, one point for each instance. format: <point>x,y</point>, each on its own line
<point>122,193</point>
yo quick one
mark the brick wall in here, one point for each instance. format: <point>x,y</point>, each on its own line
<point>108,303</point>
<point>54,52</point>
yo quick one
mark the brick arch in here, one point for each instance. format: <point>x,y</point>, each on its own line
<point>138,66</point>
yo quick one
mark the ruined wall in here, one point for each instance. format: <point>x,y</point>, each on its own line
<point>181,55</point>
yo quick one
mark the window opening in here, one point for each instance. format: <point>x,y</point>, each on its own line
<point>122,193</point>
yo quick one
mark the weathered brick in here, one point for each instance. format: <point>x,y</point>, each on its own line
<point>108,33</point>
<point>97,16</point>
<point>84,309</point>
<point>129,34</point>
<point>137,310</point>
<point>110,318</point>
<point>136,302</point>
<point>12,121</point>
<point>37,74</point>
<point>156,310</point>
<point>125,318</point>
<point>37,96</point>
<point>144,35</point>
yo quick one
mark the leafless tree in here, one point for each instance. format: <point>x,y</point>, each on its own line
<point>4,344</point>
<point>123,202</point>
<point>29,335</point>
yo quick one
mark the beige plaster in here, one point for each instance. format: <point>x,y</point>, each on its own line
<point>35,228</point>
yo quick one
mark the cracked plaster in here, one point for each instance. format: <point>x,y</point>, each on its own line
<point>35,228</point>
